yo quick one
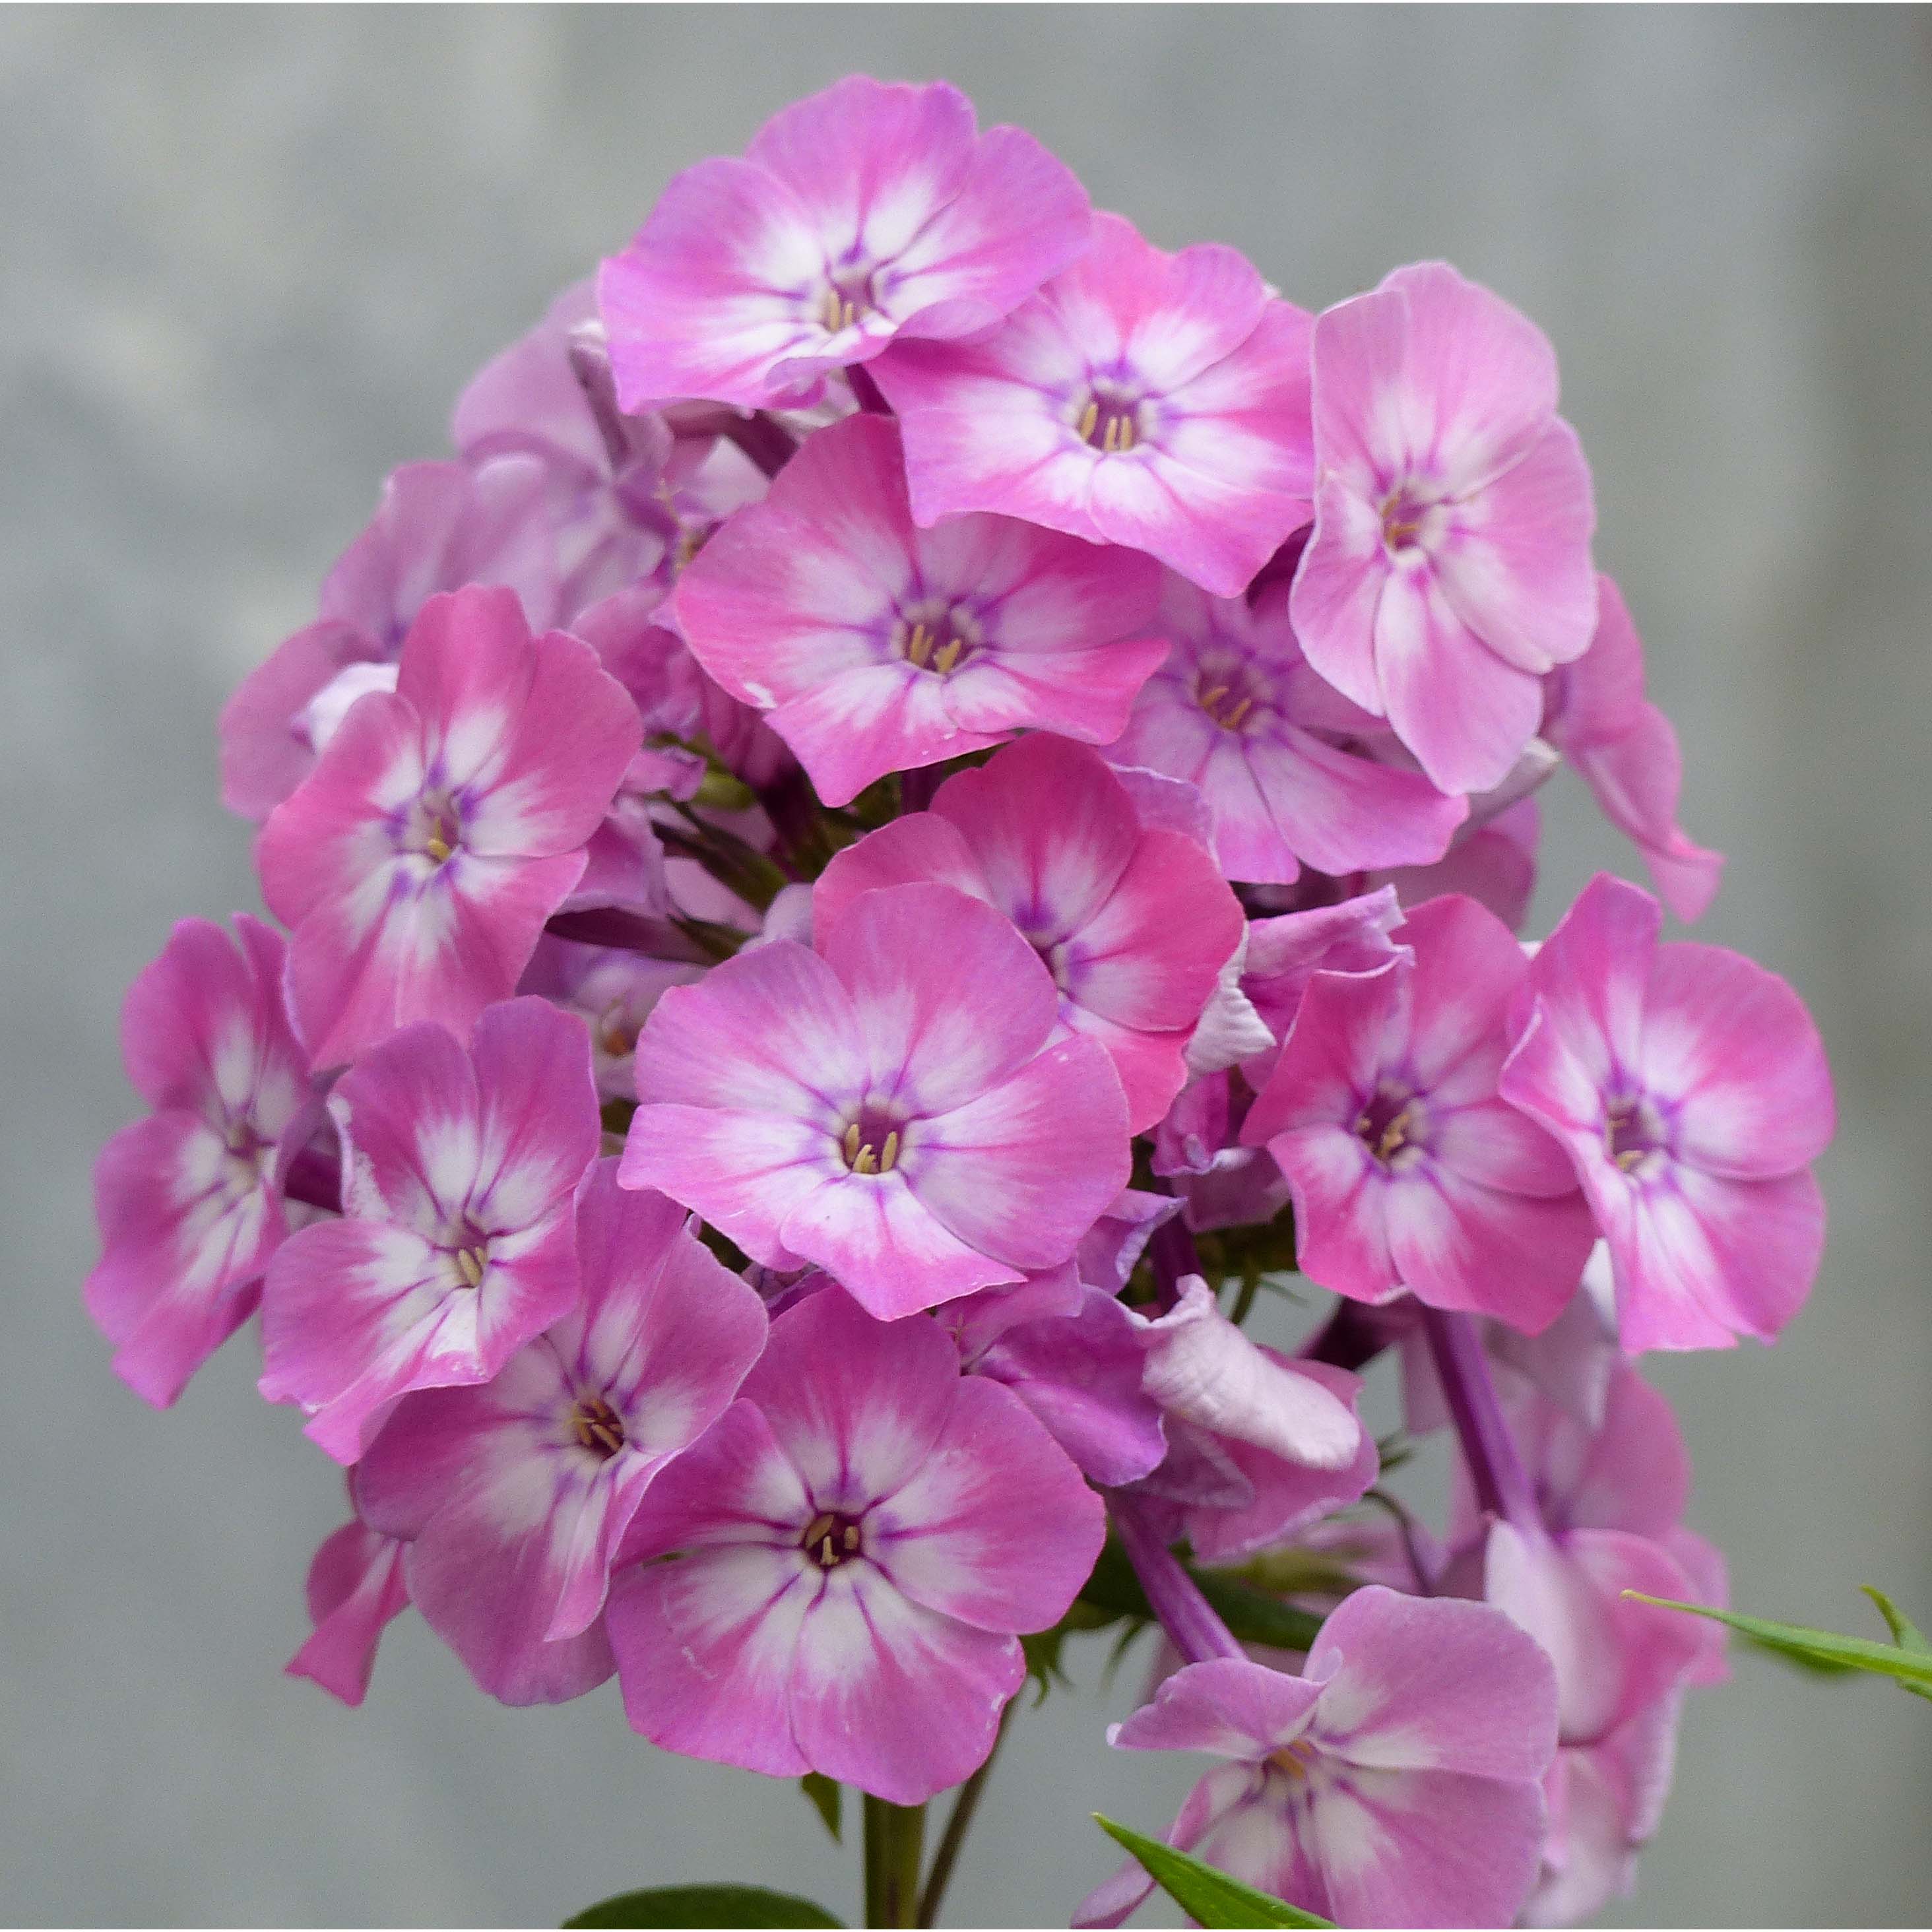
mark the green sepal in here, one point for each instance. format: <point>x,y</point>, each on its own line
<point>1208,1897</point>
<point>828,1799</point>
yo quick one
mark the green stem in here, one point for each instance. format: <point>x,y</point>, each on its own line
<point>894,1835</point>
<point>954,1836</point>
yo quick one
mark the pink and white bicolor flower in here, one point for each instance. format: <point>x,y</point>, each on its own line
<point>515,1496</point>
<point>446,820</point>
<point>1406,1169</point>
<point>187,1200</point>
<point>1596,715</point>
<point>868,212</point>
<point>457,1245</point>
<point>1689,1087</point>
<point>1134,922</point>
<point>1275,750</point>
<point>1397,1782</point>
<point>872,646</point>
<point>1449,568</point>
<point>1153,400</point>
<point>856,1541</point>
<point>894,1107</point>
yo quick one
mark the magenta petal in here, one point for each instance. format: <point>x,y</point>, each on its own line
<point>356,1590</point>
<point>1229,1706</point>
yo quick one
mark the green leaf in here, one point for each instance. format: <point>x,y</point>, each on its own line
<point>1905,1633</point>
<point>1209,1897</point>
<point>1910,1667</point>
<point>704,1905</point>
<point>1253,1615</point>
<point>828,1800</point>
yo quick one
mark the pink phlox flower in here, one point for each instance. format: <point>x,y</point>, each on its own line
<point>868,212</point>
<point>439,526</point>
<point>1449,568</point>
<point>1277,753</point>
<point>1134,925</point>
<point>1397,1782</point>
<point>631,500</point>
<point>1405,1168</point>
<point>872,646</point>
<point>1689,1088</point>
<point>356,1589</point>
<point>444,824</point>
<point>1158,401</point>
<point>895,1107</point>
<point>858,1540</point>
<point>1595,713</point>
<point>1072,1353</point>
<point>457,1246</point>
<point>187,1200</point>
<point>515,1494</point>
<point>613,990</point>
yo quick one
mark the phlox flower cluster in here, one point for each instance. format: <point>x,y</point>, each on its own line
<point>935,794</point>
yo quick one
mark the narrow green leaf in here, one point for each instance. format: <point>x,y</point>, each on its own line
<point>1905,1633</point>
<point>828,1800</point>
<point>1912,1668</point>
<point>1208,1897</point>
<point>702,1905</point>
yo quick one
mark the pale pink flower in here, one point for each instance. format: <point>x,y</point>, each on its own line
<point>1153,400</point>
<point>856,1542</point>
<point>1135,924</point>
<point>456,1246</point>
<point>894,1107</point>
<point>1397,1782</point>
<point>1406,1168</point>
<point>872,646</point>
<point>1689,1089</point>
<point>1596,715</point>
<point>867,212</point>
<point>1276,752</point>
<point>188,1200</point>
<point>438,526</point>
<point>514,1495</point>
<point>446,822</point>
<point>1449,568</point>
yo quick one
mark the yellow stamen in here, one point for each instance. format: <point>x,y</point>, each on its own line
<point>1130,435</point>
<point>889,1154</point>
<point>1209,699</point>
<point>1629,1159</point>
<point>820,1526</point>
<point>947,655</point>
<point>1089,416</point>
<point>1394,1136</point>
<point>1233,720</point>
<point>469,1262</point>
<point>919,646</point>
<point>851,1143</point>
<point>437,847</point>
<point>851,1538</point>
<point>867,1162</point>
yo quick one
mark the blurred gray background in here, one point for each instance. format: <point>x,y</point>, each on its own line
<point>247,260</point>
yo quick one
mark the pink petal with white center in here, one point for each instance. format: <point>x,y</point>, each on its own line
<point>1464,712</point>
<point>857,1405</point>
<point>876,718</point>
<point>1459,1244</point>
<point>1432,1684</point>
<point>951,1000</point>
<point>921,849</point>
<point>1491,1143</point>
<point>1468,969</point>
<point>1200,1366</point>
<point>996,1528</point>
<point>1590,978</point>
<point>876,1235</point>
<point>1427,1848</point>
<point>1517,571</point>
<point>894,1698</point>
<point>186,1231</point>
<point>1345,1025</point>
<point>537,1127</point>
<point>356,1590</point>
<point>408,1116</point>
<point>710,298</point>
<point>1339,1197</point>
<point>1152,1067</point>
<point>743,1172</point>
<point>772,1030</point>
<point>706,1649</point>
<point>1022,1172</point>
<point>1368,424</point>
<point>1731,1046</point>
<point>1228,1706</point>
<point>1338,591</point>
<point>1083,695</point>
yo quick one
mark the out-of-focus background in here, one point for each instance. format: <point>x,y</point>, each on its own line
<point>247,260</point>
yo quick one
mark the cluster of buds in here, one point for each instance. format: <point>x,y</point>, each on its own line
<point>934,797</point>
